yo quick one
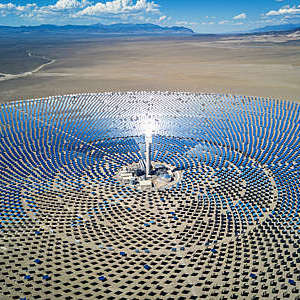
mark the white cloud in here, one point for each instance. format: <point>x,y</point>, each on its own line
<point>162,18</point>
<point>34,9</point>
<point>7,6</point>
<point>223,22</point>
<point>120,7</point>
<point>12,7</point>
<point>60,5</point>
<point>208,23</point>
<point>6,9</point>
<point>240,16</point>
<point>286,10</point>
<point>64,10</point>
<point>18,10</point>
<point>66,4</point>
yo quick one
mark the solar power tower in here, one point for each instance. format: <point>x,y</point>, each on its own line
<point>149,128</point>
<point>148,138</point>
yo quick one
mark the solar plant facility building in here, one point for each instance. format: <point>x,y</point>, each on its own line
<point>227,229</point>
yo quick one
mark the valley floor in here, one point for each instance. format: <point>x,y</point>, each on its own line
<point>191,64</point>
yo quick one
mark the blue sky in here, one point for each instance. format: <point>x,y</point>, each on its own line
<point>202,16</point>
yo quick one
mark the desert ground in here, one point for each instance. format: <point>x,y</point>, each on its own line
<point>34,68</point>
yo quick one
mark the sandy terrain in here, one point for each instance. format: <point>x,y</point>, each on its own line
<point>267,38</point>
<point>192,64</point>
<point>5,76</point>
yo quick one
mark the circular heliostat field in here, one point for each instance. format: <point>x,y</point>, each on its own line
<point>221,220</point>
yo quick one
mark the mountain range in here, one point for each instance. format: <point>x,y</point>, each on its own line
<point>129,29</point>
<point>99,29</point>
<point>282,27</point>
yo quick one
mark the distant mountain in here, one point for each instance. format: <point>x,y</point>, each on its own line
<point>100,28</point>
<point>283,27</point>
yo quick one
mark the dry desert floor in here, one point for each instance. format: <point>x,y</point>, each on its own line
<point>192,64</point>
